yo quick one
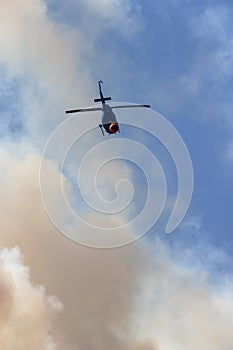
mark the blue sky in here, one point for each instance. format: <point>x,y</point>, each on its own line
<point>177,56</point>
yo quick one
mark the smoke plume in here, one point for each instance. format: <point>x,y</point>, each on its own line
<point>26,311</point>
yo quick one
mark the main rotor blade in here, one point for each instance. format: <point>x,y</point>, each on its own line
<point>84,110</point>
<point>92,109</point>
<point>131,106</point>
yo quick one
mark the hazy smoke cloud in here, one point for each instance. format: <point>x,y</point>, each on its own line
<point>121,299</point>
<point>96,287</point>
<point>184,309</point>
<point>25,310</point>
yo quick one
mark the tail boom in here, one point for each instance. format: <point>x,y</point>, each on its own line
<point>102,98</point>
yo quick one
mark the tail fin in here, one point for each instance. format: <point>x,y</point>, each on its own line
<point>102,98</point>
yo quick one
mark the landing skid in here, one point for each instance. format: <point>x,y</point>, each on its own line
<point>101,128</point>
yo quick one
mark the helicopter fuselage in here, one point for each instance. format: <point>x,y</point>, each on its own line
<point>109,120</point>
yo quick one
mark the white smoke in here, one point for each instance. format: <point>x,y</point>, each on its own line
<point>26,311</point>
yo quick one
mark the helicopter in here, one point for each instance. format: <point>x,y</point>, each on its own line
<point>109,121</point>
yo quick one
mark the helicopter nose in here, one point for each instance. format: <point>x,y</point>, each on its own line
<point>113,128</point>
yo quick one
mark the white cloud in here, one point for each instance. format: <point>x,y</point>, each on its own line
<point>46,58</point>
<point>202,88</point>
<point>122,16</point>
<point>214,26</point>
